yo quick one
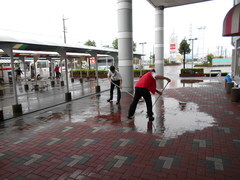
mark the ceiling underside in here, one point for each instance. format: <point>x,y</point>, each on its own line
<point>173,3</point>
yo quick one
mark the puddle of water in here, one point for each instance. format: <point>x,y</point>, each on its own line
<point>173,118</point>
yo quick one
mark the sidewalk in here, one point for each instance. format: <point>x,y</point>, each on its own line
<point>195,135</point>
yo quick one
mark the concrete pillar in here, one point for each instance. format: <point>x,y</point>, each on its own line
<point>125,41</point>
<point>159,43</point>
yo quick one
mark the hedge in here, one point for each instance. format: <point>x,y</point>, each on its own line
<point>102,73</point>
<point>192,71</point>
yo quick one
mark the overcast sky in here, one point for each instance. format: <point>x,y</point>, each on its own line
<point>97,20</point>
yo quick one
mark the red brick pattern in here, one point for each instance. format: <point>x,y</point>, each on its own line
<point>108,146</point>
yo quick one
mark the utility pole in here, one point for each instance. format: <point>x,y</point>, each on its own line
<point>202,37</point>
<point>64,29</point>
<point>192,48</point>
<point>142,57</point>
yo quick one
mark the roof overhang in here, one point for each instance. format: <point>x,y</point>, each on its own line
<point>23,45</point>
<point>173,3</point>
<point>231,23</point>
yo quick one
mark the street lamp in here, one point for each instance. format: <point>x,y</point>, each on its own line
<point>192,48</point>
<point>142,57</point>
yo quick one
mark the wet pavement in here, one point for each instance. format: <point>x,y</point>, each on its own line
<point>195,135</point>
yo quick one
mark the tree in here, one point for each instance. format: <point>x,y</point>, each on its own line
<point>152,58</point>
<point>210,58</point>
<point>90,43</point>
<point>184,49</point>
<point>115,44</point>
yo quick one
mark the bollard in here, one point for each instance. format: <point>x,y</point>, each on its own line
<point>36,87</point>
<point>81,80</point>
<point>72,80</point>
<point>235,94</point>
<point>98,89</point>
<point>17,110</point>
<point>1,116</point>
<point>229,86</point>
<point>52,83</point>
<point>26,87</point>
<point>62,83</point>
<point>68,96</point>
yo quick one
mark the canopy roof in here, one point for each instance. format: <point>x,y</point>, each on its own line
<point>173,3</point>
<point>231,23</point>
<point>34,45</point>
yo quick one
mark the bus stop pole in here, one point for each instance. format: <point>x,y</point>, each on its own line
<point>17,108</point>
<point>62,52</point>
<point>25,73</point>
<point>97,88</point>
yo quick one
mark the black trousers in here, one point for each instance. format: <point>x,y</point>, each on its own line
<point>141,92</point>
<point>118,90</point>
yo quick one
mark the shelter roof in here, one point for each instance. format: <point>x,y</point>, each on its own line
<point>34,45</point>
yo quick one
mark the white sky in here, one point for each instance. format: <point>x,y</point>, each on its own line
<point>97,20</point>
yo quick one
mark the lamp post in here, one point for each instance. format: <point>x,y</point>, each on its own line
<point>64,29</point>
<point>142,57</point>
<point>192,48</point>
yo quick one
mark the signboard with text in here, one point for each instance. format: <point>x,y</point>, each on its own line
<point>92,60</point>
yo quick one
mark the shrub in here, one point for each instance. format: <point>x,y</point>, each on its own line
<point>192,71</point>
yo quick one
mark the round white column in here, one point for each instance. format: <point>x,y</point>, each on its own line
<point>159,43</point>
<point>125,48</point>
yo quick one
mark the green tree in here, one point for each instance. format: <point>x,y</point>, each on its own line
<point>90,43</point>
<point>134,46</point>
<point>115,44</point>
<point>152,59</point>
<point>210,58</point>
<point>184,49</point>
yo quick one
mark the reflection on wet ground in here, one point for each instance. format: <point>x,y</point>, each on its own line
<point>35,100</point>
<point>172,117</point>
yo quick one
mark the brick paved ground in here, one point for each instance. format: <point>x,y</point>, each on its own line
<point>196,135</point>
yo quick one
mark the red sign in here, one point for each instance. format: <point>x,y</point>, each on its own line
<point>92,60</point>
<point>172,46</point>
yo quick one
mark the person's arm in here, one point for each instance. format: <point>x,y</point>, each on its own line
<point>109,77</point>
<point>120,84</point>
<point>162,77</point>
<point>159,92</point>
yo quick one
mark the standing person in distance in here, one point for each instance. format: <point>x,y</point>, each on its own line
<point>115,79</point>
<point>57,70</point>
<point>18,74</point>
<point>145,85</point>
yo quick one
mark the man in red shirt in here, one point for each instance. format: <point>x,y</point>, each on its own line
<point>57,70</point>
<point>143,87</point>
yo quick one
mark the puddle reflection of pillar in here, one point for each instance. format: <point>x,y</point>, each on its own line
<point>150,127</point>
<point>98,105</point>
<point>160,115</point>
<point>2,125</point>
<point>69,112</point>
<point>118,114</point>
<point>82,89</point>
<point>28,102</point>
